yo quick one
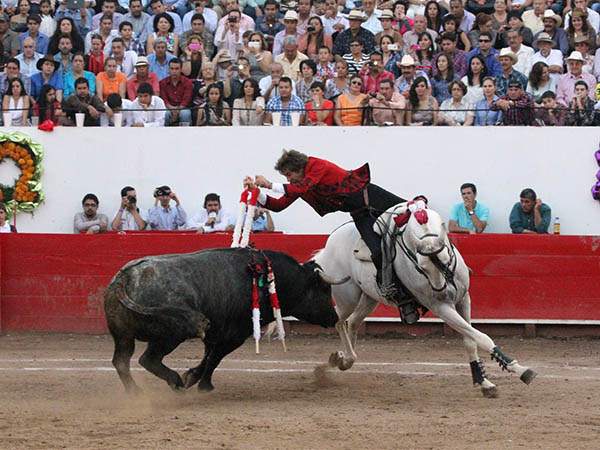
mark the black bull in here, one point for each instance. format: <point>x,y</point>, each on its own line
<point>165,300</point>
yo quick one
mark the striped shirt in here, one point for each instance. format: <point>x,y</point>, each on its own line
<point>355,66</point>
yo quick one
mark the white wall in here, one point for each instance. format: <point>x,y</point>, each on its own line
<point>557,162</point>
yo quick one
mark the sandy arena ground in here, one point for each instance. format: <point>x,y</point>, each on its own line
<point>60,391</point>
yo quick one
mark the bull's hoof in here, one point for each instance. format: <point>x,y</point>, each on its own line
<point>189,378</point>
<point>205,386</point>
<point>176,384</point>
<point>528,376</point>
<point>490,392</point>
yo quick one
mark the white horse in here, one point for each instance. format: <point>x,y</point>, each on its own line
<point>431,268</point>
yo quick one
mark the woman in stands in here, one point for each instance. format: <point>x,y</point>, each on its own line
<point>456,111</point>
<point>67,26</point>
<point>163,26</point>
<point>444,76</point>
<point>340,83</point>
<point>423,53</point>
<point>540,81</point>
<point>16,101</point>
<point>319,111</point>
<point>473,79</point>
<point>194,57</point>
<point>483,22</point>
<point>349,106</point>
<point>110,81</point>
<point>215,112</point>
<point>94,62</point>
<point>484,115</point>
<point>249,109</point>
<point>580,27</point>
<point>500,16</point>
<point>18,22</point>
<point>423,108</point>
<point>314,38</point>
<point>451,23</point>
<point>259,57</point>
<point>48,108</point>
<point>433,14</point>
<point>402,22</point>
<point>390,57</point>
<point>308,69</point>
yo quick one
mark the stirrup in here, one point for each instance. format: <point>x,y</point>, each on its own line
<point>409,312</point>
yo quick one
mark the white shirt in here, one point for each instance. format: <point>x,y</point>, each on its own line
<point>593,19</point>
<point>128,221</point>
<point>373,24</point>
<point>329,23</point>
<point>210,20</point>
<point>523,65</point>
<point>29,68</point>
<point>199,220</point>
<point>474,93</point>
<point>126,119</point>
<point>5,228</point>
<point>468,19</point>
<point>129,59</point>
<point>246,23</point>
<point>230,43</point>
<point>149,117</point>
<point>88,40</point>
<point>265,82</point>
<point>555,58</point>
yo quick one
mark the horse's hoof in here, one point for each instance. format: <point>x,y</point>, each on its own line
<point>528,376</point>
<point>335,358</point>
<point>491,392</point>
<point>205,387</point>
<point>189,379</point>
<point>345,364</point>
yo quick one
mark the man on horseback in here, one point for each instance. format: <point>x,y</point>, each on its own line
<point>327,188</point>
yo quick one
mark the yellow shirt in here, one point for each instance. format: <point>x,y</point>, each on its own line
<point>292,69</point>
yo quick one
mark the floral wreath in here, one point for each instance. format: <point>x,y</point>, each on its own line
<point>26,194</point>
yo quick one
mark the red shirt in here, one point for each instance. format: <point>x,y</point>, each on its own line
<point>179,95</point>
<point>133,84</point>
<point>325,187</point>
<point>370,84</point>
<point>312,115</point>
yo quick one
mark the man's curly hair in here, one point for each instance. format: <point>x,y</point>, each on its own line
<point>291,160</point>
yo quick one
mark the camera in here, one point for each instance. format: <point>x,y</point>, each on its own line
<point>252,44</point>
<point>373,64</point>
<point>233,20</point>
<point>241,67</point>
<point>310,28</point>
<point>194,46</point>
<point>131,199</point>
<point>372,94</point>
<point>392,47</point>
<point>160,192</point>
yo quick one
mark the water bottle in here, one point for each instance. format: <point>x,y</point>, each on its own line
<point>556,226</point>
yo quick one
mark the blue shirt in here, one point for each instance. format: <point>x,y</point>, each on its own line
<point>485,115</point>
<point>161,70</point>
<point>294,105</point>
<point>440,89</point>
<point>491,63</point>
<point>460,215</point>
<point>76,16</point>
<point>56,81</point>
<point>502,81</point>
<point>41,42</point>
<point>69,83</point>
<point>159,219</point>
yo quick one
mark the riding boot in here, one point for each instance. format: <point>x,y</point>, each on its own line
<point>393,291</point>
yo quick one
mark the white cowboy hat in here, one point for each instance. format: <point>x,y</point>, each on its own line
<point>576,56</point>
<point>544,37</point>
<point>356,14</point>
<point>549,14</point>
<point>407,61</point>
<point>291,15</point>
<point>508,52</point>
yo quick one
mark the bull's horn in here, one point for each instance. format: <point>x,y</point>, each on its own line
<point>327,279</point>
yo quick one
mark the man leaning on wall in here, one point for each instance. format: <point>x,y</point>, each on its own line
<point>90,221</point>
<point>530,215</point>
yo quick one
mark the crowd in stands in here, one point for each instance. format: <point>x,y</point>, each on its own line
<point>305,62</point>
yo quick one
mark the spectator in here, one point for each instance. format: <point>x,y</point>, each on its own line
<point>108,9</point>
<point>333,20</point>
<point>270,23</point>
<point>47,107</point>
<point>13,70</point>
<point>159,60</point>
<point>163,28</point>
<point>409,74</point>
<point>48,75</point>
<point>582,46</point>
<point>524,53</point>
<point>341,46</point>
<point>507,58</point>
<point>374,73</point>
<point>5,227</point>
<point>319,111</point>
<point>64,57</point>
<point>291,58</point>
<point>465,18</point>
<point>200,86</point>
<point>484,115</point>
<point>18,22</point>
<point>530,215</point>
<point>130,42</point>
<point>194,55</point>
<point>223,63</point>
<point>592,16</point>
<point>551,57</point>
<point>308,68</point>
<point>110,81</point>
<point>82,101</point>
<point>215,111</point>
<point>391,57</point>
<point>164,216</point>
<point>106,33</point>
<point>356,59</point>
<point>470,216</point>
<point>176,92</point>
<point>500,16</point>
<point>259,57</point>
<point>483,22</point>
<point>29,58</point>
<point>16,101</point>
<point>581,108</point>
<point>533,18</point>
<point>95,58</point>
<point>558,35</point>
<point>422,107</point>
<point>372,22</point>
<point>262,220</point>
<point>553,114</point>
<point>66,26</point>
<point>249,109</point>
<point>388,106</point>
<point>386,19</point>
<point>445,74</point>
<point>246,22</point>
<point>81,18</point>
<point>8,38</point>
<point>339,83</point>
<point>157,7</point>
<point>142,75</point>
<point>235,78</point>
<point>198,30</point>
<point>137,18</point>
<point>580,28</point>
<point>451,24</point>
<point>456,111</point>
<point>423,53</point>
<point>540,81</point>
<point>129,217</point>
<point>314,39</point>
<point>515,23</point>
<point>48,25</point>
<point>433,14</point>
<point>566,84</point>
<point>285,103</point>
<point>290,22</point>
<point>89,221</point>
<point>516,104</point>
<point>478,7</point>
<point>410,38</point>
<point>520,5</point>
<point>125,59</point>
<point>113,105</point>
<point>474,78</point>
<point>349,105</point>
<point>488,53</point>
<point>78,72</point>
<point>459,57</point>
<point>40,39</point>
<point>212,217</point>
<point>402,22</point>
<point>148,109</point>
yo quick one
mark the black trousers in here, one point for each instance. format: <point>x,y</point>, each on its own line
<point>364,218</point>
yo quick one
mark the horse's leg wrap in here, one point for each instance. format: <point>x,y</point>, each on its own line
<point>478,372</point>
<point>502,359</point>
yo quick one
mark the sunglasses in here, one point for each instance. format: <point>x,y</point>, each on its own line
<point>484,40</point>
<point>355,45</point>
<point>357,83</point>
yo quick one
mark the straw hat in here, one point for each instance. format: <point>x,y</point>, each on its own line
<point>407,61</point>
<point>544,37</point>
<point>386,14</point>
<point>225,56</point>
<point>291,15</point>
<point>508,52</point>
<point>141,61</point>
<point>549,14</point>
<point>356,14</point>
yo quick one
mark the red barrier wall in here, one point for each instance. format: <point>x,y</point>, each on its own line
<point>56,282</point>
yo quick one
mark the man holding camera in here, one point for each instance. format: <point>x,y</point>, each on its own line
<point>211,218</point>
<point>373,73</point>
<point>163,216</point>
<point>388,106</point>
<point>229,36</point>
<point>128,217</point>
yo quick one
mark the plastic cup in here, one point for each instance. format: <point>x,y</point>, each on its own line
<point>295,119</point>
<point>79,118</point>
<point>184,124</point>
<point>276,119</point>
<point>35,121</point>
<point>7,117</point>
<point>118,119</point>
